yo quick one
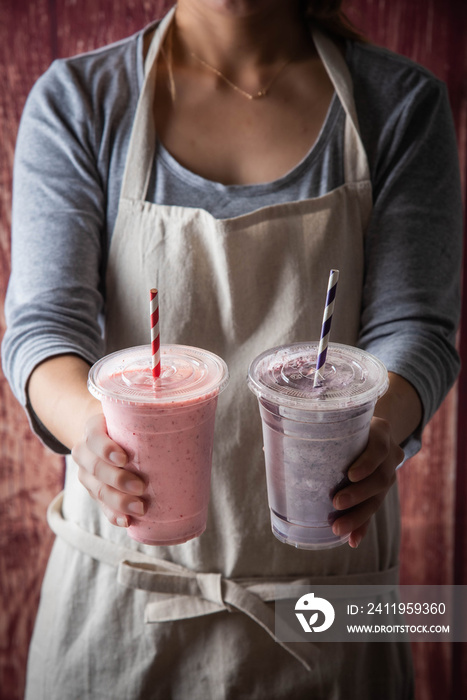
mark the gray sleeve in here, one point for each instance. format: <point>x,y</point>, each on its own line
<point>54,296</point>
<point>411,297</point>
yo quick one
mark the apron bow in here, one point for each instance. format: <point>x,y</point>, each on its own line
<point>181,593</point>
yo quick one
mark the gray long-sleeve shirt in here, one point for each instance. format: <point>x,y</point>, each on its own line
<point>69,162</point>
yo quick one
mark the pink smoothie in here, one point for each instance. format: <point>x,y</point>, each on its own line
<point>166,428</point>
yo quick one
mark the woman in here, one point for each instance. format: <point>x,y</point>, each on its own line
<point>248,155</point>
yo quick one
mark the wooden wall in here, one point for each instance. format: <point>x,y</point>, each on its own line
<point>433,484</point>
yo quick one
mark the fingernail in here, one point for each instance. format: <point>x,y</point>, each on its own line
<point>122,521</point>
<point>136,507</point>
<point>344,501</point>
<point>135,486</point>
<point>355,474</point>
<point>356,541</point>
<point>117,458</point>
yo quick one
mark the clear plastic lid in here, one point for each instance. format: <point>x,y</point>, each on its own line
<point>285,375</point>
<point>187,374</point>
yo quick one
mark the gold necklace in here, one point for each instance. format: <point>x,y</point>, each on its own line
<point>250,96</point>
<point>168,56</point>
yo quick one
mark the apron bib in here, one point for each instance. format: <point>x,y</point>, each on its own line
<point>235,287</point>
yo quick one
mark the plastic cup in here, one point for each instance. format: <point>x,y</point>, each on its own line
<point>166,427</point>
<point>312,434</point>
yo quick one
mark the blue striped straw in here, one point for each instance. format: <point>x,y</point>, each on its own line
<point>326,326</point>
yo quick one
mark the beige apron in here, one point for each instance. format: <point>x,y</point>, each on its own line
<point>196,619</point>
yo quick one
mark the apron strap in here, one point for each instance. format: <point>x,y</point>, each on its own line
<point>142,144</point>
<point>195,595</point>
<point>186,594</point>
<point>356,166</point>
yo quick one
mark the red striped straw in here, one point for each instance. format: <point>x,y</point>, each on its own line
<point>155,337</point>
<point>326,325</point>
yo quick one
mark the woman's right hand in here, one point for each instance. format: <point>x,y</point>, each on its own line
<point>102,472</point>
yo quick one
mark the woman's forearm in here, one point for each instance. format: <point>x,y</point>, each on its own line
<point>59,396</point>
<point>401,407</point>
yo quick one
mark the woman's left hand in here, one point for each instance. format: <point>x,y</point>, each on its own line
<point>372,475</point>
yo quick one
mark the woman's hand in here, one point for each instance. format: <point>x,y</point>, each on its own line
<point>397,414</point>
<point>372,475</point>
<point>59,396</point>
<point>101,465</point>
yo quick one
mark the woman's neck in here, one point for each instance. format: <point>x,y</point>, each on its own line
<point>236,39</point>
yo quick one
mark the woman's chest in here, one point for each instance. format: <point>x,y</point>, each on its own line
<point>227,138</point>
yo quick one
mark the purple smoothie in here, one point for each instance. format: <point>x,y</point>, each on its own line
<point>312,434</point>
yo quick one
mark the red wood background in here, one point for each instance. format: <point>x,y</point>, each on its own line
<point>433,485</point>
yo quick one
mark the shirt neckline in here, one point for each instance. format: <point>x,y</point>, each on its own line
<point>197,181</point>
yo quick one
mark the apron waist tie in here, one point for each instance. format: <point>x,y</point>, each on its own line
<point>186,594</point>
